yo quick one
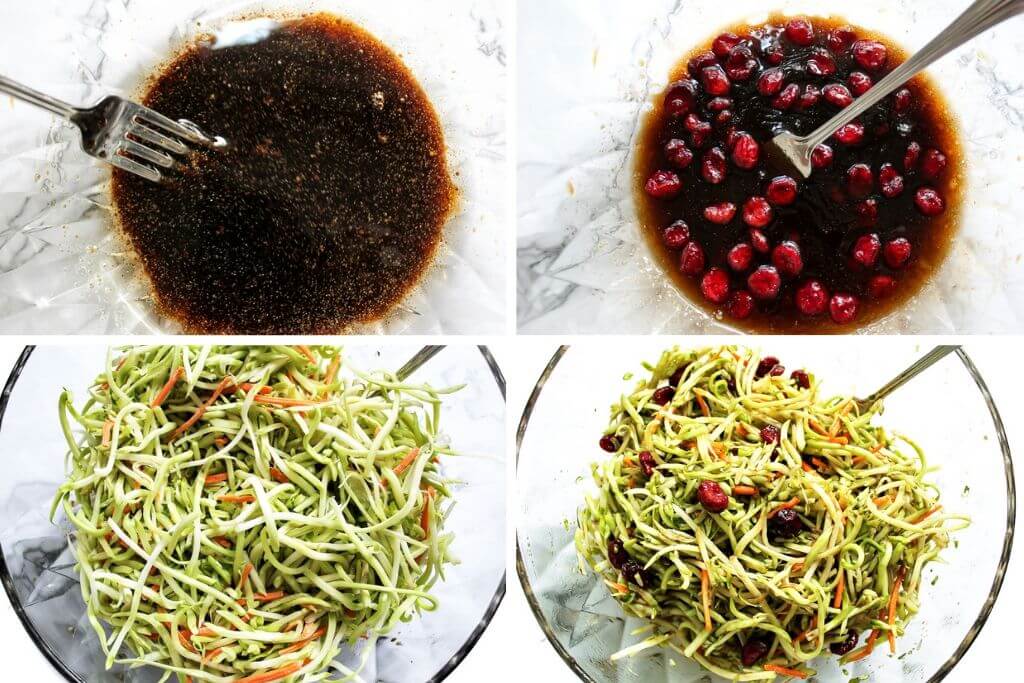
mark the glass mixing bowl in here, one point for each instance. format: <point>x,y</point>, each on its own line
<point>37,568</point>
<point>948,410</point>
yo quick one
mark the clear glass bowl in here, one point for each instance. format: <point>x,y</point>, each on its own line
<point>947,409</point>
<point>66,270</point>
<point>37,568</point>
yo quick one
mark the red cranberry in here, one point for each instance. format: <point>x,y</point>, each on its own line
<point>870,54</point>
<point>759,241</point>
<point>724,44</point>
<point>838,95</point>
<point>754,651</point>
<point>617,555</point>
<point>764,283</point>
<point>821,62</point>
<point>720,214</point>
<point>757,213</point>
<point>801,379</point>
<point>740,257</point>
<point>680,97</point>
<point>859,82</point>
<point>715,81</point>
<point>647,463</point>
<point>719,103</point>
<point>840,39</point>
<point>691,261</point>
<point>700,134</point>
<point>770,433</point>
<point>821,156</point>
<point>772,52</point>
<point>929,202</point>
<point>890,180</point>
<point>866,250</point>
<point>740,64</point>
<point>770,82</point>
<point>800,31</point>
<point>851,133</point>
<point>663,185</point>
<point>767,364</point>
<point>897,252</point>
<point>781,191</point>
<point>912,156</point>
<point>933,163</point>
<point>715,285</point>
<point>663,395</point>
<point>678,154</point>
<point>786,257</point>
<point>676,235</point>
<point>809,97</point>
<point>901,101</point>
<point>691,122</point>
<point>609,443</point>
<point>787,97</point>
<point>785,523</point>
<point>741,304</point>
<point>843,308</point>
<point>634,573</point>
<point>811,298</point>
<point>702,61</point>
<point>860,180</point>
<point>746,151</point>
<point>723,118</point>
<point>677,376</point>
<point>881,286</point>
<point>713,166</point>
<point>867,213</point>
<point>845,646</point>
<point>712,497</point>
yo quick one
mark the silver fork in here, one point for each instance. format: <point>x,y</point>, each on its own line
<point>792,150</point>
<point>122,133</point>
<point>920,365</point>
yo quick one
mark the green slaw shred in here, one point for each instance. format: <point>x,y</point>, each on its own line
<point>303,509</point>
<point>871,521</point>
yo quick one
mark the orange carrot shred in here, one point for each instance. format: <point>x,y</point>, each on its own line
<point>302,643</point>
<point>222,542</point>
<point>788,505</point>
<point>209,656</point>
<point>279,476</point>
<point>305,351</point>
<point>409,458</point>
<point>792,673</point>
<point>246,570</point>
<point>620,588</point>
<point>162,395</point>
<point>803,634</point>
<point>840,588</point>
<point>185,426</point>
<point>703,406</point>
<point>108,432</point>
<point>744,490</point>
<point>245,498</point>
<point>705,597</point>
<point>212,479</point>
<point>332,370</point>
<point>275,675</point>
<point>925,515</point>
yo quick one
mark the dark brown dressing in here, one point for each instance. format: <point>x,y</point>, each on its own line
<point>822,220</point>
<point>326,207</point>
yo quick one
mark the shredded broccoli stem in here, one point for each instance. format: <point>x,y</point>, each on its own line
<point>868,515</point>
<point>302,510</point>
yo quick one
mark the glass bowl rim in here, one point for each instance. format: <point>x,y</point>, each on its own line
<point>57,663</point>
<point>972,632</point>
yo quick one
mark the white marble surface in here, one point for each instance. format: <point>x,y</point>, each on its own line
<point>585,71</point>
<point>61,268</point>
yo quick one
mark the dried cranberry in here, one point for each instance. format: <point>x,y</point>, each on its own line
<point>781,191</point>
<point>617,555</point>
<point>812,298</point>
<point>859,82</point>
<point>701,62</point>
<point>663,185</point>
<point>719,103</point>
<point>867,213</point>
<point>933,163</point>
<point>740,64</point>
<point>866,250</point>
<point>677,375</point>
<point>870,54</point>
<point>800,31</point>
<point>678,154</point>
<point>890,180</point>
<point>740,257</point>
<point>777,371</point>
<point>680,97</point>
<point>821,62</point>
<point>846,645</point>
<point>851,133</point>
<point>770,433</point>
<point>715,81</point>
<point>746,151</point>
<point>785,523</point>
<point>766,365</point>
<point>757,212</point>
<point>787,258</point>
<point>663,395</point>
<point>676,235</point>
<point>754,651</point>
<point>801,378</point>
<point>647,463</point>
<point>821,156</point>
<point>786,97</point>
<point>860,180</point>
<point>712,497</point>
<point>929,202</point>
<point>764,283</point>
<point>901,101</point>
<point>897,252</point>
<point>809,97</point>
<point>841,38</point>
<point>741,304</point>
<point>759,241</point>
<point>713,166</point>
<point>720,214</point>
<point>723,44</point>
<point>634,572</point>
<point>691,261</point>
<point>838,95</point>
<point>843,308</point>
<point>715,285</point>
<point>609,443</point>
<point>912,156</point>
<point>881,286</point>
<point>770,82</point>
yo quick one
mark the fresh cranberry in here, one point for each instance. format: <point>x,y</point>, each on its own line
<point>609,443</point>
<point>837,95</point>
<point>754,651</point>
<point>647,463</point>
<point>759,241</point>
<point>929,202</point>
<point>770,433</point>
<point>781,191</point>
<point>691,261</point>
<point>785,523</point>
<point>866,249</point>
<point>676,235</point>
<point>850,134</point>
<point>881,286</point>
<point>846,645</point>
<point>680,97</point>
<point>700,134</point>
<point>859,82</point>
<point>719,103</point>
<point>713,166</point>
<point>757,212</point>
<point>933,163</point>
<point>801,379</point>
<point>890,180</point>
<point>741,304</point>
<point>860,180</point>
<point>663,185</point>
<point>821,156</point>
<point>809,97</point>
<point>800,31</point>
<point>770,82</point>
<point>767,364</point>
<point>723,44</point>
<point>764,283</point>
<point>715,81</point>
<point>678,154</point>
<point>870,54</point>
<point>843,308</point>
<point>811,298</point>
<point>723,118</point>
<point>867,212</point>
<point>787,97</point>
<point>821,62</point>
<point>787,259</point>
<point>740,257</point>
<point>712,497</point>
<point>912,156</point>
<point>740,64</point>
<point>772,52</point>
<point>715,285</point>
<point>720,214</point>
<point>701,62</point>
<point>840,39</point>
<point>901,101</point>
<point>746,151</point>
<point>663,395</point>
<point>897,252</point>
<point>691,122</point>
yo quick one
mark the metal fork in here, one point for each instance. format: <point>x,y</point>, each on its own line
<point>122,133</point>
<point>920,365</point>
<point>788,149</point>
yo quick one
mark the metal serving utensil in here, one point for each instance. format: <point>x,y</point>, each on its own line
<point>787,149</point>
<point>923,363</point>
<point>122,133</point>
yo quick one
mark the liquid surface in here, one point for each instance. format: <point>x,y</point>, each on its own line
<point>329,202</point>
<point>824,220</point>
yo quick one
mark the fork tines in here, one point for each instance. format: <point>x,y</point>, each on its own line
<point>163,136</point>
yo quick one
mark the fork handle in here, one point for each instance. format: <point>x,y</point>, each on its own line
<point>976,19</point>
<point>27,94</point>
<point>922,364</point>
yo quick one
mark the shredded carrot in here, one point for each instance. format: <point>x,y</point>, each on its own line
<point>925,515</point>
<point>209,656</point>
<point>817,427</point>
<point>875,449</point>
<point>409,458</point>
<point>185,638</point>
<point>894,597</point>
<point>221,442</point>
<point>620,588</point>
<point>882,501</point>
<point>285,402</point>
<point>275,675</point>
<point>245,498</point>
<point>279,476</point>
<point>705,597</point>
<point>222,542</point>
<point>268,597</point>
<point>108,431</point>
<point>302,643</point>
<point>783,671</point>
<point>629,462</point>
<point>803,634</point>
<point>744,490</point>
<point>840,588</point>
<point>246,570</point>
<point>703,405</point>
<point>741,430</point>
<point>841,440</point>
<point>788,505</point>
<point>807,468</point>
<point>247,387</point>
<point>720,450</point>
<point>866,650</point>
<point>212,479</point>
<point>162,395</point>
<point>187,425</point>
<point>305,351</point>
<point>820,464</point>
